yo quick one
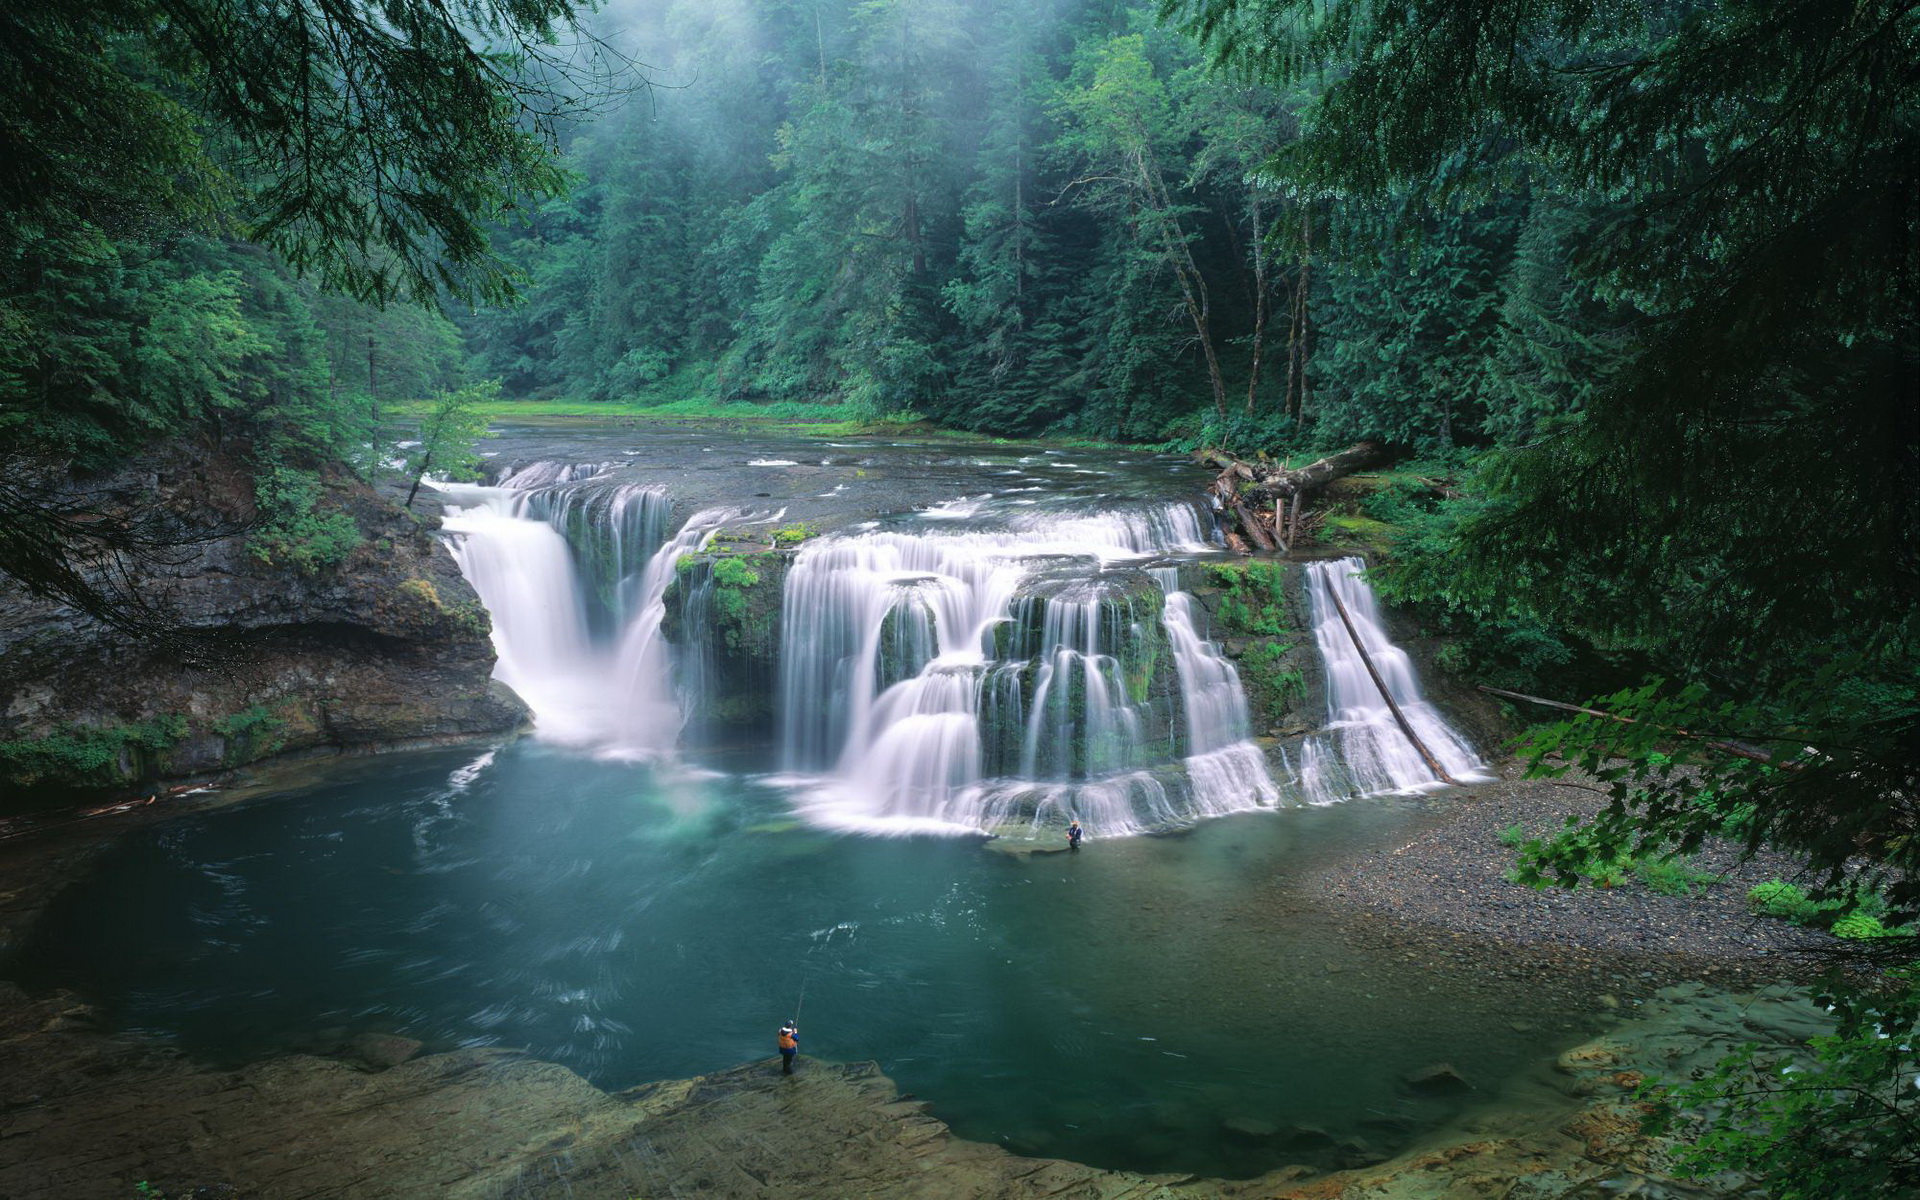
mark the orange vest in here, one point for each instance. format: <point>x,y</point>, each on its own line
<point>787,1041</point>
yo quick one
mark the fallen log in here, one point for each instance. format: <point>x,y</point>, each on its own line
<point>1315,475</point>
<point>1736,749</point>
<point>1251,524</point>
<point>1276,481</point>
<point>1248,489</point>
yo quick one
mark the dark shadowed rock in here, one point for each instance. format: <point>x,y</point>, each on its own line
<point>1250,1128</point>
<point>390,647</point>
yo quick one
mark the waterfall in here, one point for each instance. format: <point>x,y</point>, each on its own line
<point>1364,751</point>
<point>573,570</point>
<point>979,672</point>
<point>1223,762</point>
<point>973,680</point>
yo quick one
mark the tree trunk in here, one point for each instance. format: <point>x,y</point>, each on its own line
<point>418,476</point>
<point>1245,488</point>
<point>1259,297</point>
<point>1274,481</point>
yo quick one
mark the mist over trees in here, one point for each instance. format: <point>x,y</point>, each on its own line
<point>1011,218</point>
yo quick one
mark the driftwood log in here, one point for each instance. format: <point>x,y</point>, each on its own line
<point>1248,492</point>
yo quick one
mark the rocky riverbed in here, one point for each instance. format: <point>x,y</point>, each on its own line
<point>1444,894</point>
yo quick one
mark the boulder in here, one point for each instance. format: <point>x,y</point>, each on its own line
<point>380,1051</point>
<point>1438,1077</point>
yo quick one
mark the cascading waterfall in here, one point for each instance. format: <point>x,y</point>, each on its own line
<point>573,570</point>
<point>1222,761</point>
<point>958,679</point>
<point>968,681</point>
<point>1364,751</point>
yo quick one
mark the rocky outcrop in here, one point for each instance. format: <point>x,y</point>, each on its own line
<point>1258,611</point>
<point>722,614</point>
<point>94,1115</point>
<point>388,647</point>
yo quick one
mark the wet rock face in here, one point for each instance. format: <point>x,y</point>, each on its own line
<point>389,646</point>
<point>1257,609</point>
<point>722,614</point>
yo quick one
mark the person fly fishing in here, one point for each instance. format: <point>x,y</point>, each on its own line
<point>1074,834</point>
<point>789,1043</point>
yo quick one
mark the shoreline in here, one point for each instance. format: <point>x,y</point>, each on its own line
<point>1444,894</point>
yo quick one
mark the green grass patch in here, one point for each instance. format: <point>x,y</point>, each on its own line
<point>1353,529</point>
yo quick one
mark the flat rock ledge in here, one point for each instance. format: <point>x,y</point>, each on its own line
<point>86,1113</point>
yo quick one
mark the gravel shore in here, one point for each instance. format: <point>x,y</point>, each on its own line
<point>1444,894</point>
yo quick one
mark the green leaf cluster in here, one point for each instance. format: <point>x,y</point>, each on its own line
<point>98,756</point>
<point>1841,1118</point>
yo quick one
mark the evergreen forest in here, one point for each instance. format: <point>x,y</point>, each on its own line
<point>1637,284</point>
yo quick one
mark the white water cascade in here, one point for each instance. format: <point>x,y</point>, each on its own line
<point>970,681</point>
<point>1222,759</point>
<point>573,571</point>
<point>1364,751</point>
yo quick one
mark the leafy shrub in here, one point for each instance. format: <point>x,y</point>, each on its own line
<point>1776,898</point>
<point>1669,877</point>
<point>1859,925</point>
<point>251,733</point>
<point>1514,835</point>
<point>293,528</point>
<point>794,534</point>
<point>1254,599</point>
<point>88,755</point>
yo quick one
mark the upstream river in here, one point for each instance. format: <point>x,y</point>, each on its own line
<point>1158,1003</point>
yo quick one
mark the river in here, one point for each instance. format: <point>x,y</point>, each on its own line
<point>1172,997</point>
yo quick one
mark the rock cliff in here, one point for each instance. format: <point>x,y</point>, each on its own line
<point>389,646</point>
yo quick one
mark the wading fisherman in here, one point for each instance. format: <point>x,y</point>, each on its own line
<point>789,1042</point>
<point>1074,834</point>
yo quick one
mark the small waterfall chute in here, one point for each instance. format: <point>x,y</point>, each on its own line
<point>1364,750</point>
<point>573,570</point>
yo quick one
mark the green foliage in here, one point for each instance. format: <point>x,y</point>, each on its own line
<point>1860,926</point>
<point>449,435</point>
<point>85,755</point>
<point>1829,788</point>
<point>733,572</point>
<point>795,533</point>
<point>1273,683</point>
<point>1513,835</point>
<point>364,147</point>
<point>1253,597</point>
<point>252,733</point>
<point>1669,877</point>
<point>731,577</point>
<point>295,526</point>
<point>1787,901</point>
<point>1841,1118</point>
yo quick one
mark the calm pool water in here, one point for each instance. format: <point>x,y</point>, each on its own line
<point>1117,1007</point>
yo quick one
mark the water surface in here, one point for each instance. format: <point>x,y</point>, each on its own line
<point>1117,1006</point>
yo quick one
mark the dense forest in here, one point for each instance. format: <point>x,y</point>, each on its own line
<point>1639,281</point>
<point>1020,219</point>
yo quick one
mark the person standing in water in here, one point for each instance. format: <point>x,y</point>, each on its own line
<point>789,1042</point>
<point>1074,834</point>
